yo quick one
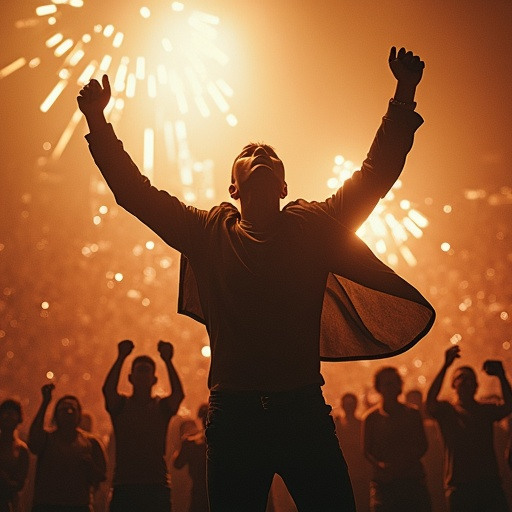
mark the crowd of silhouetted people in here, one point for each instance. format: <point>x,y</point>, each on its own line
<point>405,452</point>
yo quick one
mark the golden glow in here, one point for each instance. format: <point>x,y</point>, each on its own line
<point>231,120</point>
<point>108,30</point>
<point>418,218</point>
<point>105,63</point>
<point>151,86</point>
<point>63,48</point>
<point>54,94</point>
<point>180,65</point>
<point>382,230</point>
<point>54,40</point>
<point>118,40</point>
<point>177,6</point>
<point>119,82</point>
<point>12,67</point>
<point>145,12</point>
<point>130,85</point>
<point>45,10</point>
<point>66,134</point>
<point>140,68</point>
<point>76,55</point>
<point>87,73</point>
<point>167,45</point>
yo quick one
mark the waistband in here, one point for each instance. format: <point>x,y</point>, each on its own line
<point>265,399</point>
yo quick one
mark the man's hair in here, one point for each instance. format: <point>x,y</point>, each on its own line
<point>463,369</point>
<point>12,405</point>
<point>60,400</point>
<point>144,359</point>
<point>379,374</point>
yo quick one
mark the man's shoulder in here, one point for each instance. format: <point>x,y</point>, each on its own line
<point>222,212</point>
<point>89,436</point>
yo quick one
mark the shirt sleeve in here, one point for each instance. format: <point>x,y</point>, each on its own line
<point>358,195</point>
<point>165,214</point>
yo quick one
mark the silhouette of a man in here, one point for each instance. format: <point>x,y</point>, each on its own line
<point>472,479</point>
<point>279,290</point>
<point>140,424</point>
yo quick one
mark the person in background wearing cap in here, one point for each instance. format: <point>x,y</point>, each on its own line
<point>472,479</point>
<point>70,462</point>
<point>279,290</point>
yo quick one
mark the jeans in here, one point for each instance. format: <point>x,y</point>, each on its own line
<point>480,496</point>
<point>400,496</point>
<point>251,436</point>
<point>140,498</point>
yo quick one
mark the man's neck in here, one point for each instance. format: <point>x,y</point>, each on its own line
<point>141,396</point>
<point>259,215</point>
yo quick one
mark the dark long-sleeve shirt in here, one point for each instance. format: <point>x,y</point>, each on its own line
<point>277,302</point>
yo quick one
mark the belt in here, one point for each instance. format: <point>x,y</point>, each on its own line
<point>267,399</point>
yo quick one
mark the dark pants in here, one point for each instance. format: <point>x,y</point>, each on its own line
<point>61,508</point>
<point>477,497</point>
<point>140,497</point>
<point>252,436</point>
<point>400,496</point>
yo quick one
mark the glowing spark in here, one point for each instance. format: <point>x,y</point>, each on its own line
<point>12,67</point>
<point>389,227</point>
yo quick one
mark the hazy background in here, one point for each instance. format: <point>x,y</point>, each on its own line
<point>309,78</point>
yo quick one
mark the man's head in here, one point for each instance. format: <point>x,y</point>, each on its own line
<point>349,403</point>
<point>142,374</point>
<point>464,382</point>
<point>387,382</point>
<point>257,160</point>
<point>67,413</point>
<point>10,414</point>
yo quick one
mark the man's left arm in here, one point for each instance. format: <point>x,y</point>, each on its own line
<point>496,368</point>
<point>356,199</point>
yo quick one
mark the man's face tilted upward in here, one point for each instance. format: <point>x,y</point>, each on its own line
<point>257,159</point>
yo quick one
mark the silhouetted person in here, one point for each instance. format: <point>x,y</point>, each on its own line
<point>192,454</point>
<point>14,457</point>
<point>348,429</point>
<point>141,480</point>
<point>433,459</point>
<point>472,479</point>
<point>278,290</point>
<point>509,446</point>
<point>394,441</point>
<point>70,462</point>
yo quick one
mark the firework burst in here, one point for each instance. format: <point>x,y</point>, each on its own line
<point>158,51</point>
<point>391,224</point>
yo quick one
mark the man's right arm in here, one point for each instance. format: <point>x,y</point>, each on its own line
<point>165,214</point>
<point>112,397</point>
